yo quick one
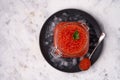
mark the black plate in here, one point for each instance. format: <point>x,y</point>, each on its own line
<point>46,38</point>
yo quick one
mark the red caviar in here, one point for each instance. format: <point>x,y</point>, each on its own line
<point>85,64</point>
<point>65,42</point>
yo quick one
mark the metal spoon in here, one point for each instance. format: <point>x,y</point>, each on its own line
<point>99,41</point>
<point>86,61</point>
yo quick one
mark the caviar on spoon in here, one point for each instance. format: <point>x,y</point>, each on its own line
<point>85,63</point>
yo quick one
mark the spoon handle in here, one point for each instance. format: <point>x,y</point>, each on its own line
<point>99,41</point>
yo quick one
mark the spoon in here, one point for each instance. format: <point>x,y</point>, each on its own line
<point>85,62</point>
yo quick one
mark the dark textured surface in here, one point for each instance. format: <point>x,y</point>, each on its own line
<point>46,38</point>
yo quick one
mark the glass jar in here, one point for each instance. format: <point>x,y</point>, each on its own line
<point>71,39</point>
